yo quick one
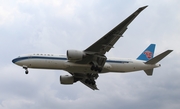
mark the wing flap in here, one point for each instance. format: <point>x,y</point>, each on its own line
<point>93,87</point>
<point>82,78</point>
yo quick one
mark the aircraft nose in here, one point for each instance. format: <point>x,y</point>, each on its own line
<point>14,60</point>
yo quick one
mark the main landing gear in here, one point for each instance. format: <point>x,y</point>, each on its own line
<point>94,67</point>
<point>91,78</point>
<point>26,69</point>
<point>97,63</point>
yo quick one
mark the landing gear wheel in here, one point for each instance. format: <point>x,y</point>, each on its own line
<point>26,72</point>
<point>99,70</point>
<point>95,67</point>
<point>92,67</point>
<point>26,69</point>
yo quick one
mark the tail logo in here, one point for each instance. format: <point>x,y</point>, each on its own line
<point>148,54</point>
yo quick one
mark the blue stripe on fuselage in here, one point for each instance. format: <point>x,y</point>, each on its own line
<point>58,58</point>
<point>36,57</point>
<point>115,61</point>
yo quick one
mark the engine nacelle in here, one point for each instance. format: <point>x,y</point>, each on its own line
<point>66,79</point>
<point>75,55</point>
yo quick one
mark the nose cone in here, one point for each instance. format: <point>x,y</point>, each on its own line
<point>14,60</point>
<point>17,61</point>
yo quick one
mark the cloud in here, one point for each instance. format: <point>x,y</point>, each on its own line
<point>32,26</point>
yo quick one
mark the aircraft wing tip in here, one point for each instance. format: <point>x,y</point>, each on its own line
<point>169,51</point>
<point>140,9</point>
<point>144,7</point>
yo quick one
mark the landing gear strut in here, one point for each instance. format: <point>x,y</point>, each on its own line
<point>26,69</point>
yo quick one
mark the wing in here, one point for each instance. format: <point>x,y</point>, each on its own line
<point>86,79</point>
<point>107,42</point>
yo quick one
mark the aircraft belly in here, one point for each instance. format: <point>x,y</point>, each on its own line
<point>77,68</point>
<point>129,67</point>
<point>82,68</point>
<point>120,67</point>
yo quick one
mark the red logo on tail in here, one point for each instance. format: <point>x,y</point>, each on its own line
<point>148,54</point>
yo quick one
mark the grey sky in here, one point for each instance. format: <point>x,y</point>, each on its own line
<point>44,26</point>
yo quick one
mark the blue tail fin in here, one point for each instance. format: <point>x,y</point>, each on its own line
<point>148,53</point>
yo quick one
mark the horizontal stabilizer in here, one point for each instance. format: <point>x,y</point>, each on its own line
<point>149,72</point>
<point>158,57</point>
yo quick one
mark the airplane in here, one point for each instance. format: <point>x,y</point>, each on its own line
<point>86,65</point>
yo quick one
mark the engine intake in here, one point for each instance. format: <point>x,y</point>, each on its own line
<point>75,55</point>
<point>66,79</point>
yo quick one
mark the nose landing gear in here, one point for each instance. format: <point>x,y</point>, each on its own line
<point>26,69</point>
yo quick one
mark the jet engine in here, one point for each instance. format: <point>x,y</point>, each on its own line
<point>66,79</point>
<point>75,55</point>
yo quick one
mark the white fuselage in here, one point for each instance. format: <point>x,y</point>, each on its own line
<point>60,62</point>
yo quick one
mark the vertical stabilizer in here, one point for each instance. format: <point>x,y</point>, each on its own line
<point>148,53</point>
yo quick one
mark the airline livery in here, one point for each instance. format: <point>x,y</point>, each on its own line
<point>85,66</point>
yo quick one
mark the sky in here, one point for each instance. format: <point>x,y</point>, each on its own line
<point>54,26</point>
